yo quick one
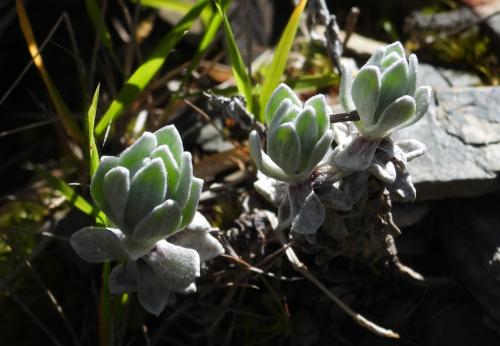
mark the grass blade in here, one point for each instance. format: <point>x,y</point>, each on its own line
<point>208,37</point>
<point>241,76</point>
<point>105,318</point>
<point>143,75</point>
<point>278,64</point>
<point>68,122</point>
<point>313,82</point>
<point>179,6</point>
<point>93,154</point>
<point>71,195</point>
<point>99,25</point>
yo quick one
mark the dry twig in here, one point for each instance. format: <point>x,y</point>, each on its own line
<point>301,268</point>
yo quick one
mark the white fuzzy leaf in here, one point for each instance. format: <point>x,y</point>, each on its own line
<point>393,85</point>
<point>147,190</point>
<point>96,186</point>
<point>356,155</point>
<point>366,93</point>
<point>412,148</point>
<point>132,157</point>
<point>310,217</point>
<point>384,171</point>
<point>153,293</point>
<point>192,204</point>
<point>181,194</point>
<point>163,220</point>
<point>202,242</point>
<point>345,89</point>
<point>96,244</point>
<point>171,165</point>
<point>273,191</point>
<point>175,265</point>
<point>397,113</point>
<point>170,137</point>
<point>281,93</point>
<point>116,187</point>
<point>123,278</point>
<point>322,111</point>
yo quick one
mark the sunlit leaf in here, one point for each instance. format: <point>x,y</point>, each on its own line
<point>145,73</point>
<point>180,6</point>
<point>313,82</point>
<point>278,64</point>
<point>208,37</point>
<point>71,195</point>
<point>241,76</point>
<point>97,19</point>
<point>93,154</point>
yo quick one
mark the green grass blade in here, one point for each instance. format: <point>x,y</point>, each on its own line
<point>313,82</point>
<point>241,76</point>
<point>93,154</point>
<point>206,40</point>
<point>71,195</point>
<point>105,312</point>
<point>179,6</point>
<point>100,26</point>
<point>105,318</point>
<point>278,64</point>
<point>96,17</point>
<point>143,75</point>
<point>138,82</point>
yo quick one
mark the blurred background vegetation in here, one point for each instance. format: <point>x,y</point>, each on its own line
<point>151,70</point>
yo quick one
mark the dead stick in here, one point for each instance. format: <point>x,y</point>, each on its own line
<point>301,268</point>
<point>342,117</point>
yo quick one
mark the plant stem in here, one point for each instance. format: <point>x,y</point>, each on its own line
<point>105,324</point>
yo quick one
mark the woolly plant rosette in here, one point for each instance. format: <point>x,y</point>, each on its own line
<point>298,138</point>
<point>150,197</point>
<point>385,92</point>
<point>386,96</point>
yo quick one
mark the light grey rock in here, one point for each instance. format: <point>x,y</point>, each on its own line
<point>472,115</point>
<point>211,139</point>
<point>462,133</point>
<point>420,22</point>
<point>430,75</point>
<point>440,78</point>
<point>457,78</point>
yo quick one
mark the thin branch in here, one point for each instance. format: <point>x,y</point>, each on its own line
<point>32,61</point>
<point>320,15</point>
<point>81,69</point>
<point>28,127</point>
<point>343,117</point>
<point>350,25</point>
<point>210,121</point>
<point>359,319</point>
<point>258,270</point>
